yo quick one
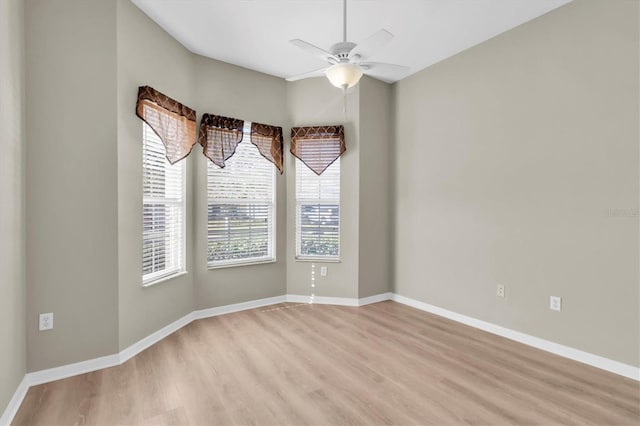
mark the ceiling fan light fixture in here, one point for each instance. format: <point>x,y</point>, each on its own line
<point>344,75</point>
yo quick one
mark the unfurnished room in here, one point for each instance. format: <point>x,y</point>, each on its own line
<point>319,212</point>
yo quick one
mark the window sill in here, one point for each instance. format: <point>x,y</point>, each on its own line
<point>317,260</point>
<point>165,278</point>
<point>235,264</point>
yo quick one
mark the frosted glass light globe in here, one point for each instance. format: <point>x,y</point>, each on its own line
<point>344,75</point>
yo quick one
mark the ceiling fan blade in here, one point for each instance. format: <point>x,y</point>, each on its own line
<point>384,71</point>
<point>368,46</point>
<point>314,50</point>
<point>315,73</point>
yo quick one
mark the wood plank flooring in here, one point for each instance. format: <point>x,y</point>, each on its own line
<point>292,364</point>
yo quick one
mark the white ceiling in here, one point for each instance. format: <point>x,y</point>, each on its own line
<point>255,34</point>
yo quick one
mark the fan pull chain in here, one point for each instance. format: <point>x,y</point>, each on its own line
<point>344,104</point>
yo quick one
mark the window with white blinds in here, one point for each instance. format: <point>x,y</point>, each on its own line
<point>318,212</point>
<point>163,226</point>
<point>241,208</point>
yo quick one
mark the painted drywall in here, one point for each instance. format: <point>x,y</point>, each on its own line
<point>316,102</point>
<point>146,56</point>
<point>71,180</point>
<point>517,164</point>
<point>12,282</point>
<point>237,92</point>
<point>375,188</point>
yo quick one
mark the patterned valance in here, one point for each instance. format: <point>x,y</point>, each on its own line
<point>268,139</point>
<point>173,122</point>
<point>318,147</point>
<point>219,137</point>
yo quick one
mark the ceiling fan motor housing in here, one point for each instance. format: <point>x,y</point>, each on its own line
<point>342,49</point>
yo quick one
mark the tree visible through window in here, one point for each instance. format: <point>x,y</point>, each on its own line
<point>241,208</point>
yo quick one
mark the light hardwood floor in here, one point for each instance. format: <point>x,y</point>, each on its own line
<point>322,365</point>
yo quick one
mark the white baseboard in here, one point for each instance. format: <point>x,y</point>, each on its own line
<point>14,403</point>
<point>62,372</point>
<point>237,307</point>
<point>322,300</point>
<point>153,338</point>
<point>374,299</point>
<point>341,301</point>
<point>69,370</point>
<point>297,298</point>
<point>546,345</point>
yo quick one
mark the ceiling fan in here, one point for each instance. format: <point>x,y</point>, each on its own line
<point>348,60</point>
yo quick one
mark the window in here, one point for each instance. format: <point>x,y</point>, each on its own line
<point>163,191</point>
<point>318,212</point>
<point>241,208</point>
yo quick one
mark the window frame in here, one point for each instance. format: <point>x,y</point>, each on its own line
<point>316,258</point>
<point>157,277</point>
<point>211,265</point>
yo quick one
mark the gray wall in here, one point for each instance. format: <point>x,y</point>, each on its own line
<point>315,102</point>
<point>374,276</point>
<point>12,282</point>
<point>71,180</point>
<point>231,91</point>
<point>146,55</point>
<point>86,60</point>
<point>510,156</point>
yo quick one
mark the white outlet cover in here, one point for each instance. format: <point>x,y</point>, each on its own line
<point>555,303</point>
<point>46,322</point>
<point>323,271</point>
<point>500,290</point>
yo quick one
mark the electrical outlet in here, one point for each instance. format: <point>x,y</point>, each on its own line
<point>500,290</point>
<point>555,303</point>
<point>46,321</point>
<point>323,271</point>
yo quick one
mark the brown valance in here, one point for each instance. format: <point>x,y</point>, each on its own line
<point>318,147</point>
<point>173,122</point>
<point>268,140</point>
<point>219,137</point>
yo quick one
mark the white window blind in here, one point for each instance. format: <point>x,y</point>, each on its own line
<point>241,208</point>
<point>318,212</point>
<point>163,189</point>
